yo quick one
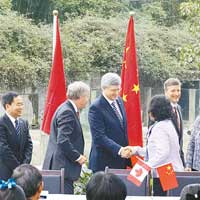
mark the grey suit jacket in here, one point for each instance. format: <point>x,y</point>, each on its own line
<point>14,150</point>
<point>66,142</point>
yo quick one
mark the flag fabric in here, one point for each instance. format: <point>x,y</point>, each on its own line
<point>57,88</point>
<point>139,171</point>
<point>130,90</point>
<point>167,176</point>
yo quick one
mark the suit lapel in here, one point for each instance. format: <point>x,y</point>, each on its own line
<point>109,109</point>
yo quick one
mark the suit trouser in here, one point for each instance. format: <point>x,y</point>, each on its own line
<point>68,186</point>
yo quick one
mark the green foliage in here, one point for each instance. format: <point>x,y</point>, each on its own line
<point>165,13</point>
<point>80,185</point>
<point>25,53</point>
<point>93,44</point>
<point>190,53</point>
<point>5,5</point>
<point>41,10</point>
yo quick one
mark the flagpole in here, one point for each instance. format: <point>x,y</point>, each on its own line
<point>152,191</point>
<point>55,16</point>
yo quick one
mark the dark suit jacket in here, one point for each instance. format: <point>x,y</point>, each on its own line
<point>107,135</point>
<point>14,150</point>
<point>179,131</point>
<point>66,142</point>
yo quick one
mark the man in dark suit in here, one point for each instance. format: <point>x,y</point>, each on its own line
<point>172,89</point>
<point>66,143</point>
<point>15,141</point>
<point>108,125</point>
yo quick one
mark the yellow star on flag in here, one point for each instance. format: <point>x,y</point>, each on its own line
<point>125,64</point>
<point>136,88</point>
<point>124,98</point>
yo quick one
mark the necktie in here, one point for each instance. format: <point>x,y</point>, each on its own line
<point>177,117</point>
<point>78,114</point>
<point>117,113</point>
<point>17,128</point>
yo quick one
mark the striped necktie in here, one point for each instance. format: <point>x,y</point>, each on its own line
<point>17,128</point>
<point>114,107</point>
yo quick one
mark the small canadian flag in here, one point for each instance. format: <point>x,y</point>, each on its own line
<point>139,172</point>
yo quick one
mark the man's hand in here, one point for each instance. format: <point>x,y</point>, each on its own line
<point>82,159</point>
<point>126,152</point>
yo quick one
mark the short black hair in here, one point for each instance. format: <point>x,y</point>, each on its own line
<point>29,178</point>
<point>160,108</point>
<point>191,191</point>
<point>105,186</point>
<point>8,98</point>
<point>12,193</point>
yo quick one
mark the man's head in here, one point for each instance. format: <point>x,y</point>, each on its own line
<point>79,93</point>
<point>103,186</point>
<point>110,84</point>
<point>13,104</point>
<point>172,89</point>
<point>30,179</point>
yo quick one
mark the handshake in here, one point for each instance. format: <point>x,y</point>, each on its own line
<point>128,151</point>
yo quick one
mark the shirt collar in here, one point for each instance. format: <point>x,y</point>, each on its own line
<point>12,119</point>
<point>174,105</point>
<point>108,100</point>
<point>74,105</point>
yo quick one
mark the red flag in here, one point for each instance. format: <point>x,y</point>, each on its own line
<point>139,172</point>
<point>130,90</point>
<point>57,88</point>
<point>167,176</point>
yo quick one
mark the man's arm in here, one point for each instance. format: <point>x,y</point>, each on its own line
<point>28,148</point>
<point>6,153</point>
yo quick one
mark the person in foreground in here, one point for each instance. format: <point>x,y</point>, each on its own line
<point>108,126</point>
<point>30,179</point>
<point>105,186</point>
<point>162,141</point>
<point>66,143</point>
<point>15,141</point>
<point>10,191</point>
<point>193,149</point>
<point>190,192</point>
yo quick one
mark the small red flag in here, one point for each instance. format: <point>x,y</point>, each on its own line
<point>139,172</point>
<point>130,90</point>
<point>167,176</point>
<point>57,88</point>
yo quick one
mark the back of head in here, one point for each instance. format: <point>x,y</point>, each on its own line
<point>77,89</point>
<point>160,108</point>
<point>11,191</point>
<point>110,79</point>
<point>190,192</point>
<point>105,186</point>
<point>171,82</point>
<point>29,178</point>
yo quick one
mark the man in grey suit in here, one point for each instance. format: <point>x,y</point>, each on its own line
<point>66,143</point>
<point>172,89</point>
<point>15,141</point>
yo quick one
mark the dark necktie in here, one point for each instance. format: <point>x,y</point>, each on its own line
<point>117,113</point>
<point>177,118</point>
<point>78,114</point>
<point>17,128</point>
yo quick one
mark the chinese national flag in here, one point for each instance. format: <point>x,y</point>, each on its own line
<point>130,90</point>
<point>167,177</point>
<point>139,171</point>
<point>57,88</point>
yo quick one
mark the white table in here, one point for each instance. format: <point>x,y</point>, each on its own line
<point>82,197</point>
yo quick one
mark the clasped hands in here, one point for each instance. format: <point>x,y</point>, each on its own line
<point>127,152</point>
